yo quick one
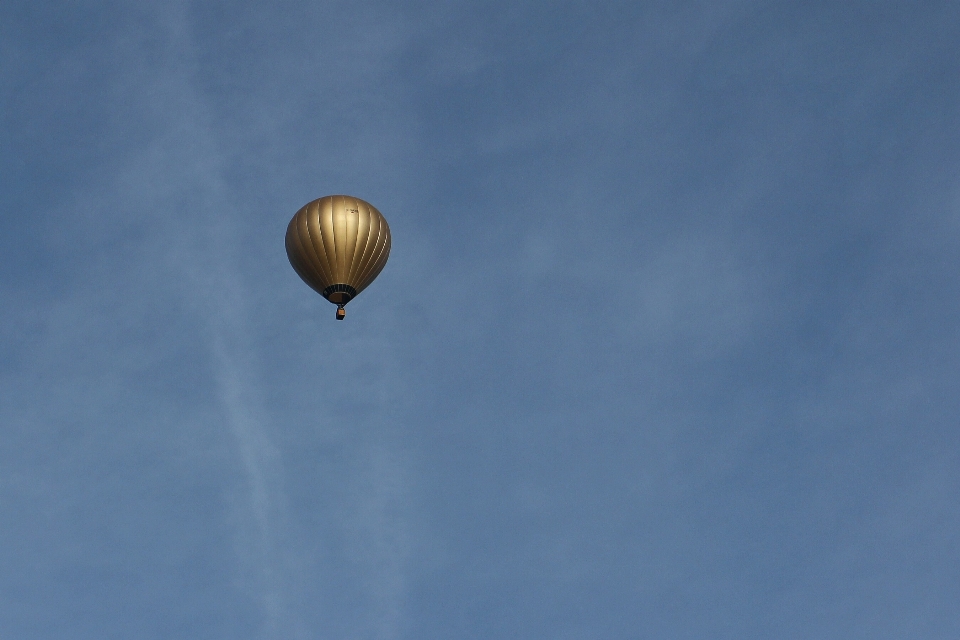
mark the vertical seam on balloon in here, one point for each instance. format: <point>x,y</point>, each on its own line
<point>351,252</point>
<point>321,247</point>
<point>376,264</point>
<point>345,239</point>
<point>309,247</point>
<point>371,265</point>
<point>327,241</point>
<point>358,250</point>
<point>356,241</point>
<point>320,259</point>
<point>382,256</point>
<point>333,239</point>
<point>336,253</point>
<point>296,253</point>
<point>291,244</point>
<point>369,246</point>
<point>330,252</point>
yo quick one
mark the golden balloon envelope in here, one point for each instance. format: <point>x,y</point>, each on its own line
<point>338,245</point>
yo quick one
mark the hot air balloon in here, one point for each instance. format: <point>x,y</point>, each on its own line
<point>338,245</point>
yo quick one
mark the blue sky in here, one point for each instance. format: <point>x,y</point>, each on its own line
<point>667,346</point>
